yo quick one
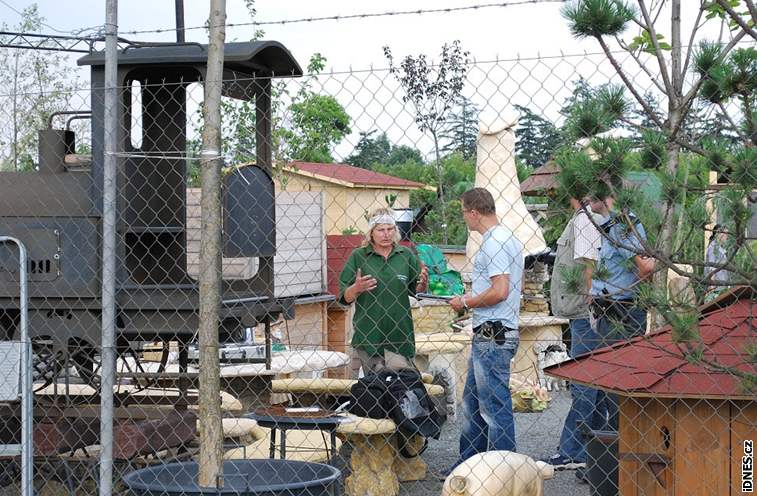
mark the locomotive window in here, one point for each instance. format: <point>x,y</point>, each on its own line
<point>135,131</point>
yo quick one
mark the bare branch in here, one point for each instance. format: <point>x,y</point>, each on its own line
<point>694,31</point>
<point>752,10</point>
<point>658,52</point>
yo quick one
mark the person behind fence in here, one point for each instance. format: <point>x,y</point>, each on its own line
<point>623,265</point>
<point>717,256</point>
<point>577,255</point>
<point>488,422</point>
<point>378,277</point>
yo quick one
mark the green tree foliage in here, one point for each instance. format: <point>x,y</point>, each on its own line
<point>460,129</point>
<point>443,225</point>
<point>401,154</point>
<point>370,150</point>
<point>536,138</point>
<point>318,123</point>
<point>35,84</point>
<point>704,79</point>
<point>432,89</point>
<point>306,125</point>
<point>312,124</point>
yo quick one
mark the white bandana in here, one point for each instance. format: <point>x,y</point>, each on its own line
<point>381,219</point>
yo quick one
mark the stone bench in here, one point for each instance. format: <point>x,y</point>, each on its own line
<point>444,355</point>
<point>313,390</point>
<point>377,467</point>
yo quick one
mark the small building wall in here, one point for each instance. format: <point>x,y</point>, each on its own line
<point>691,444</point>
<point>345,207</point>
<point>339,324</point>
<point>307,331</point>
<point>456,257</point>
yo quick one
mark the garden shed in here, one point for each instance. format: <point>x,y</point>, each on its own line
<point>685,424</point>
<point>350,193</point>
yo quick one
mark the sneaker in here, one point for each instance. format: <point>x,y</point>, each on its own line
<point>560,462</point>
<point>581,475</point>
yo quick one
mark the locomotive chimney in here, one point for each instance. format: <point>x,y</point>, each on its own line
<point>54,144</point>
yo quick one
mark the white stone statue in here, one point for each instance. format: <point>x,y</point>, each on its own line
<point>498,473</point>
<point>495,171</point>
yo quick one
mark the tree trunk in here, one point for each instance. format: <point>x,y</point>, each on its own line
<point>211,432</point>
<point>15,116</point>
<point>440,190</point>
<point>675,116</point>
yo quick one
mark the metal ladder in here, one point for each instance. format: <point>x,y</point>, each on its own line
<point>18,372</point>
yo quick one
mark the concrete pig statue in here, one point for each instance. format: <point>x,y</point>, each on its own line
<point>498,473</point>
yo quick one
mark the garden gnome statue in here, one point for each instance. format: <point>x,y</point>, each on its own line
<point>498,473</point>
<point>495,171</point>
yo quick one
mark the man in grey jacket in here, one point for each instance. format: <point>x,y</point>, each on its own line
<point>577,248</point>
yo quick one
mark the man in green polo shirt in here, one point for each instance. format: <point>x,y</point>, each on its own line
<point>378,277</point>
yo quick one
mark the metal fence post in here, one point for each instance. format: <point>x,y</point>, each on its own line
<point>108,352</point>
<point>27,448</point>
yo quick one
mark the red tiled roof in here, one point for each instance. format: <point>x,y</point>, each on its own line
<point>541,180</point>
<point>354,175</point>
<point>654,365</point>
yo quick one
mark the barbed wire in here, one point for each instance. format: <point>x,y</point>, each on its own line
<point>367,15</point>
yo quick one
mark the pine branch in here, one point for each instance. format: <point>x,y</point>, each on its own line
<point>733,125</point>
<point>628,83</point>
<point>695,89</point>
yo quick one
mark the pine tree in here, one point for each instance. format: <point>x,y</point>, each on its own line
<point>461,129</point>
<point>536,138</point>
<point>370,151</point>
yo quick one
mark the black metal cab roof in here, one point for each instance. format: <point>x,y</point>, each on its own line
<point>261,58</point>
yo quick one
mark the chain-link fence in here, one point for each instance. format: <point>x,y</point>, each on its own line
<point>356,245</point>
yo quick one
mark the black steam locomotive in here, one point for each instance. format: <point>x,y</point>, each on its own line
<point>56,211</point>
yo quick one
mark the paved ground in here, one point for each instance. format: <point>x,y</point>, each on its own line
<point>537,435</point>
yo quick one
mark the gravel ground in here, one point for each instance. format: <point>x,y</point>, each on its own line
<point>537,435</point>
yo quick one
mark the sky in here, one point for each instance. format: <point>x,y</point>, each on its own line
<point>525,36</point>
<point>486,33</point>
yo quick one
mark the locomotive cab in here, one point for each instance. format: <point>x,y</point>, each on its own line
<point>56,211</point>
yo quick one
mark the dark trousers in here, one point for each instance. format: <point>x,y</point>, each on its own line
<point>617,320</point>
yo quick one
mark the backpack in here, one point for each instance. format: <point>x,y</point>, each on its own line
<point>565,303</point>
<point>399,395</point>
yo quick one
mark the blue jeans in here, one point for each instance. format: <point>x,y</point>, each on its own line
<point>583,339</point>
<point>618,322</point>
<point>488,422</point>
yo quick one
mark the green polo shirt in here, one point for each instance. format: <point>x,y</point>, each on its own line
<point>382,318</point>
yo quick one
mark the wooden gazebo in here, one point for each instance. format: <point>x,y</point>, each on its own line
<point>542,181</point>
<point>685,425</point>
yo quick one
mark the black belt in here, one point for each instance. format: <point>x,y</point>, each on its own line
<point>493,330</point>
